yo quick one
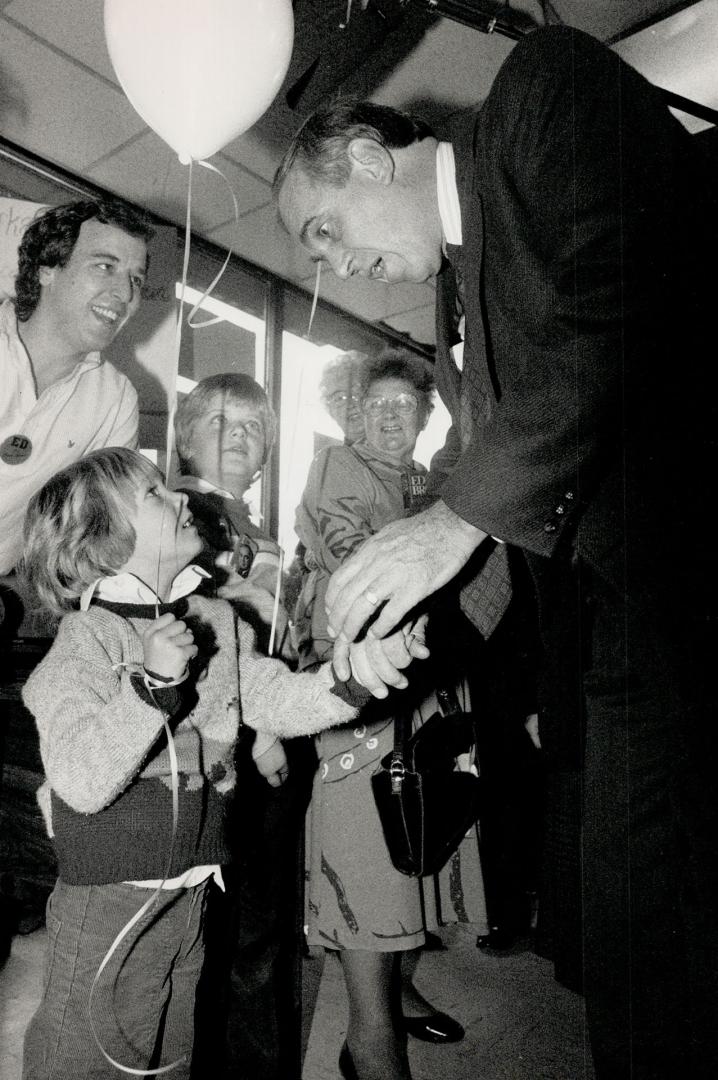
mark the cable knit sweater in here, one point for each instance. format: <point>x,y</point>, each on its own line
<point>105,754</point>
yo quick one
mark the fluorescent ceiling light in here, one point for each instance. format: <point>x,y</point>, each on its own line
<point>680,53</point>
<point>218,307</point>
<point>185,385</point>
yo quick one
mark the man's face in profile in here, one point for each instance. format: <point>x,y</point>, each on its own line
<point>366,228</point>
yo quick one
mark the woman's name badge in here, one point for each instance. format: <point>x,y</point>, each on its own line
<point>15,449</point>
<point>414,489</point>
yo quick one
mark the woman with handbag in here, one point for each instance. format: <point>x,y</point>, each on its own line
<point>359,904</point>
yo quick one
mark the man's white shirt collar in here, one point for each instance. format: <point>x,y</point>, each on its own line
<point>448,194</point>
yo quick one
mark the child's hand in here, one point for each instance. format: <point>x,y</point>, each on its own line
<point>377,663</point>
<point>168,647</point>
<point>272,764</point>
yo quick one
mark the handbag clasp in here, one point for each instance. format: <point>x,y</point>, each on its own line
<point>397,770</point>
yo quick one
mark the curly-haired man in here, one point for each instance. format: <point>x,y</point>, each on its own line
<point>81,268</point>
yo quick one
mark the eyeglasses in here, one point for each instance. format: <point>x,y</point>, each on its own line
<point>404,404</point>
<point>341,397</point>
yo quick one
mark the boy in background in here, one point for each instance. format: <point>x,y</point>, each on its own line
<point>225,429</point>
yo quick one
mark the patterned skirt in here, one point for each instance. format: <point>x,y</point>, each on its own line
<point>355,898</point>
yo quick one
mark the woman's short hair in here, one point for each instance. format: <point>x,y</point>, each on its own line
<point>50,238</point>
<point>235,388</point>
<point>78,525</point>
<point>392,363</point>
<point>320,146</point>
<point>344,365</point>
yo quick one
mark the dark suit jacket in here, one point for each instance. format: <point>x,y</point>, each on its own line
<point>589,271</point>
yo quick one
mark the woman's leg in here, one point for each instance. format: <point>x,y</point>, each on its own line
<point>421,1018</point>
<point>374,1037</point>
<point>413,1003</point>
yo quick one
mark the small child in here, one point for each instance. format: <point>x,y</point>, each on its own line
<point>143,647</point>
<point>225,429</point>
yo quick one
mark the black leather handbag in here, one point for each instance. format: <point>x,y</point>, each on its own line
<point>425,803</point>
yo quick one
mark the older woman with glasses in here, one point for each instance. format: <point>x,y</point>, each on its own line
<point>340,392</point>
<point>358,903</point>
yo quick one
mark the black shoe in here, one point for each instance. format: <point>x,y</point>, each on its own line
<point>498,939</point>
<point>436,1028</point>
<point>346,1065</point>
<point>433,942</point>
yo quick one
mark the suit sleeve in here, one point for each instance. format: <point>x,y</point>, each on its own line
<point>570,152</point>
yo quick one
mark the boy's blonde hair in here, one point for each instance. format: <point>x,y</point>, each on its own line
<point>78,526</point>
<point>233,387</point>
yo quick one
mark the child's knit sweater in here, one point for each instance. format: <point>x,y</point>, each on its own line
<point>105,754</point>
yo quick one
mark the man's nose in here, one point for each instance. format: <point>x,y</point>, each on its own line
<point>341,264</point>
<point>123,288</point>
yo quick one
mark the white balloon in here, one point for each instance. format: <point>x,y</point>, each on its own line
<point>199,72</point>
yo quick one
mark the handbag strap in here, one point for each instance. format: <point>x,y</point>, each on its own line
<point>403,720</point>
<point>402,731</point>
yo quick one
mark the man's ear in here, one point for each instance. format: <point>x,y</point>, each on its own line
<point>371,158</point>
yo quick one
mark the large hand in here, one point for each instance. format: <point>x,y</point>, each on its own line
<point>402,564</point>
<point>377,663</point>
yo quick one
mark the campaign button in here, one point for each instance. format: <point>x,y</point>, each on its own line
<point>15,449</point>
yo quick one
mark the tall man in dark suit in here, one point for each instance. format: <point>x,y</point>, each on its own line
<point>580,228</point>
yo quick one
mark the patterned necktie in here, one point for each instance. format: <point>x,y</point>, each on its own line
<point>486,590</point>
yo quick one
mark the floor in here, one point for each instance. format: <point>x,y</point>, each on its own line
<point>520,1024</point>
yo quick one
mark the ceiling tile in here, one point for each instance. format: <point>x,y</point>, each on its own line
<point>470,59</point>
<point>147,171</point>
<point>258,153</point>
<point>74,26</point>
<point>260,238</point>
<point>679,54</point>
<point>54,108</point>
<point>418,324</point>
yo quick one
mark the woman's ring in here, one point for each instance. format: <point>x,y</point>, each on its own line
<point>370,597</point>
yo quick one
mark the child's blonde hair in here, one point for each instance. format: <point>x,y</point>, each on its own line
<point>78,526</point>
<point>232,387</point>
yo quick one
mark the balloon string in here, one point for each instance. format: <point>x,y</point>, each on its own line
<point>315,298</point>
<point>210,287</point>
<point>172,396</point>
<point>275,608</point>
<point>142,911</point>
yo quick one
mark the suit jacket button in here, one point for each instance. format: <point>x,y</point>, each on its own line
<point>550,527</point>
<point>560,509</point>
<point>569,495</point>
